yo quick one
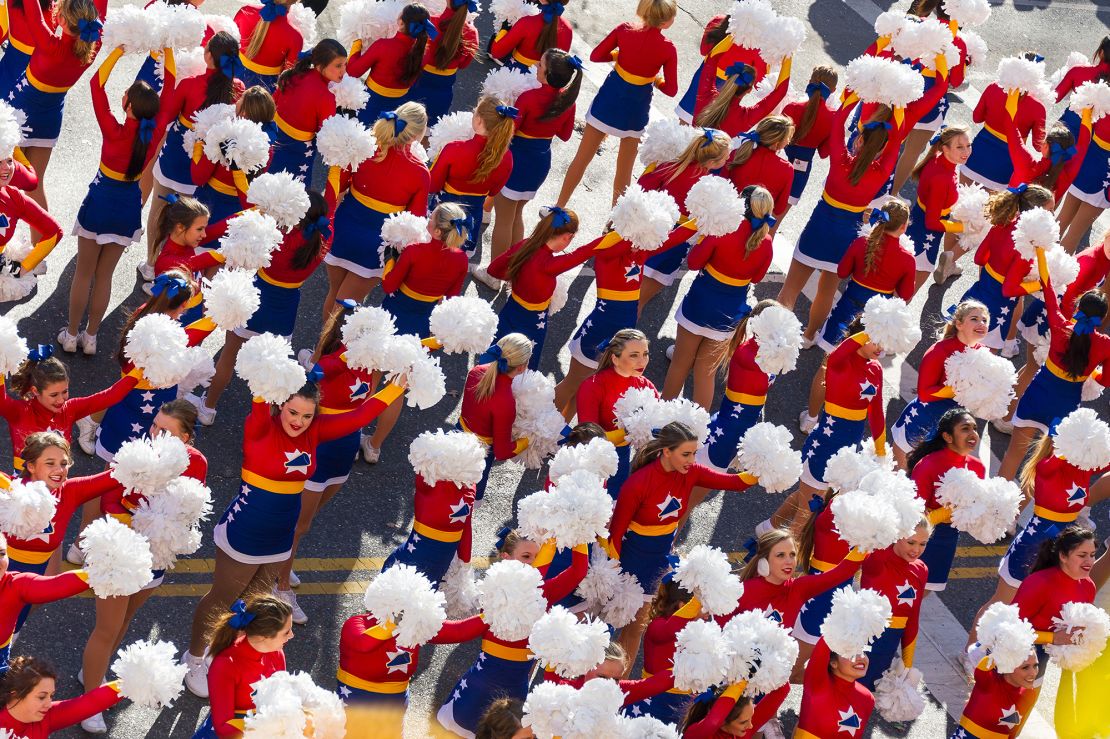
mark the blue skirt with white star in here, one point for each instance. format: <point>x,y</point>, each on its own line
<point>355,246</point>
<point>1023,549</point>
<point>669,707</point>
<point>1047,398</point>
<point>411,316</point>
<point>918,422</point>
<point>172,168</point>
<point>130,419</point>
<point>926,241</point>
<point>44,112</point>
<point>988,291</point>
<point>829,436</point>
<point>727,426</point>
<point>713,309</point>
<point>1033,324</point>
<point>515,318</point>
<point>111,212</point>
<point>645,558</point>
<point>939,554</point>
<point>808,626</point>
<point>664,266</point>
<point>607,318</point>
<point>1090,183</point>
<point>257,526</point>
<point>488,679</point>
<point>277,310</point>
<point>13,63</point>
<point>882,654</point>
<point>334,460</point>
<point>293,156</point>
<point>431,557</point>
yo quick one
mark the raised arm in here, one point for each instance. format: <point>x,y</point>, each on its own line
<point>80,407</point>
<point>341,424</point>
<point>109,126</point>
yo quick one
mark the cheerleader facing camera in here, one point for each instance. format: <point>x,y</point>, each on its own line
<point>27,693</point>
<point>719,713</point>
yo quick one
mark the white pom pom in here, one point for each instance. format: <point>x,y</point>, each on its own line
<point>566,645</point>
<point>921,39</point>
<point>561,294</point>
<point>644,217</point>
<point>11,129</point>
<point>1092,388</point>
<point>1035,227</point>
<point>983,508</point>
<point>977,49</point>
<point>427,384</point>
<point>644,727</point>
<point>170,520</point>
<point>279,195</point>
<point>575,511</point>
<point>664,140</point>
<point>403,228</point>
<point>857,618</point>
<point>1007,637</point>
<point>13,348</point>
<point>26,508</point>
<point>403,596</point>
<point>1083,439</point>
<point>368,20</point>
<point>394,355</point>
<point>203,120</point>
<point>849,465</point>
<point>464,325</point>
<point>510,11</point>
<point>460,590</point>
<point>968,12</point>
<point>784,41</point>
<point>266,363</point>
<point>133,28</point>
<point>182,27</point>
<point>971,210</point>
<point>634,412</point>
<point>548,709</point>
<point>149,673</point>
<point>13,288</point>
<point>237,142</point>
<point>448,456</point>
<point>511,599</point>
<point>864,520</point>
<point>765,452</point>
<point>231,298</point>
<point>701,656</point>
<point>303,19</point>
<point>891,324</point>
<point>1026,77</point>
<point>147,465</point>
<point>507,84</point>
<point>684,411</point>
<point>706,572</point>
<point>1063,268</point>
<point>221,23</point>
<point>457,126</point>
<point>1075,59</point>
<point>983,382</point>
<point>890,22</point>
<point>117,559</point>
<point>897,490</point>
<point>1089,626</point>
<point>898,693</point>
<point>250,241</point>
<point>779,335</point>
<point>368,321</point>
<point>159,346</point>
<point>537,418</point>
<point>878,80</point>
<point>763,652</point>
<point>597,456</point>
<point>291,706</point>
<point>189,62</point>
<point>609,592</point>
<point>750,21</point>
<point>350,93</point>
<point>344,142</point>
<point>715,204</point>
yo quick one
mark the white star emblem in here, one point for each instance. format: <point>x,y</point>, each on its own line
<point>1010,716</point>
<point>147,409</point>
<point>398,661</point>
<point>773,613</point>
<point>849,722</point>
<point>632,273</point>
<point>344,691</point>
<point>459,511</point>
<point>669,508</point>
<point>866,390</point>
<point>827,431</point>
<point>45,535</point>
<point>136,428</point>
<point>906,594</point>
<point>297,461</point>
<point>148,397</point>
<point>462,683</point>
<point>245,490</point>
<point>1076,494</point>
<point>1004,310</point>
<point>359,390</point>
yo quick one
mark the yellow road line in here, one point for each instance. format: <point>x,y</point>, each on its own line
<point>972,573</point>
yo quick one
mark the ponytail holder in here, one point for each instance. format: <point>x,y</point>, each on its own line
<point>672,565</point>
<point>575,61</point>
<point>816,503</point>
<point>758,223</point>
<point>271,131</point>
<point>1058,154</point>
<point>315,374</point>
<point>321,225</point>
<point>559,217</point>
<point>1084,324</point>
<point>502,535</point>
<point>347,304</point>
<point>818,87</point>
<point>564,434</point>
<point>1054,426</point>
<point>877,124</point>
<point>655,432</point>
<point>936,138</point>
<point>41,353</point>
<point>306,54</point>
<point>707,695</point>
<point>399,123</point>
<point>1037,58</point>
<point>471,5</point>
<point>169,284</point>
<point>708,135</point>
<point>748,136</point>
<point>241,616</point>
<point>1019,190</point>
<point>89,31</point>
<point>230,66</point>
<point>493,354</point>
<point>460,225</point>
<point>744,74</point>
<point>507,111</point>
<point>170,197</point>
<point>146,129</point>
<point>271,11</point>
<point>415,28</point>
<point>551,11</point>
<point>878,216</point>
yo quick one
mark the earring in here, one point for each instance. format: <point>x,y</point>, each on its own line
<point>763,567</point>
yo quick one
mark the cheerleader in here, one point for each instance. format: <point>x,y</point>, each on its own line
<point>20,42</point>
<point>523,45</point>
<point>1097,71</point>
<point>255,533</point>
<point>149,71</point>
<point>952,447</point>
<point>303,102</point>
<point>179,231</point>
<point>898,573</point>
<point>1061,156</point>
<point>715,31</point>
<point>172,170</point>
<point>725,54</point>
<point>992,709</point>
<point>269,43</point>
<point>394,63</point>
<point>395,179</point>
<point>834,695</point>
<point>43,402</point>
<point>503,718</point>
<point>16,205</point>
<point>1087,198</point>
<point>451,51</point>
<point>728,112</point>
<point>468,172</point>
<point>650,505</point>
<point>246,645</point>
<point>812,119</point>
<point>27,693</point>
<point>670,611</point>
<point>966,329</point>
<point>937,177</point>
<point>701,156</point>
<point>373,676</point>
<point>719,714</point>
<point>224,189</point>
<point>639,52</point>
<point>759,160</point>
<point>718,298</point>
<point>545,113</point>
<point>532,268</point>
<point>300,253</point>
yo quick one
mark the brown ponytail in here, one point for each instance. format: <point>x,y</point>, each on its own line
<point>732,91</point>
<point>143,102</point>
<point>414,61</point>
<point>671,436</point>
<point>451,35</point>
<point>499,134</point>
<point>544,231</point>
<point>1005,206</point>
<point>322,54</point>
<point>821,75</point>
<point>270,615</point>
<point>181,212</point>
<point>313,244</point>
<point>549,34</point>
<point>164,302</point>
<point>739,336</point>
<point>220,88</point>
<point>1063,138</point>
<point>71,12</point>
<point>564,72</point>
<point>872,142</point>
<point>37,374</point>
<point>898,213</point>
<point>945,138</point>
<point>258,35</point>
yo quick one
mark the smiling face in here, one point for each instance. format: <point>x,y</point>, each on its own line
<point>957,150</point>
<point>1078,562</point>
<point>53,396</point>
<point>7,170</point>
<point>964,437</point>
<point>911,548</point>
<point>681,458</point>
<point>850,668</point>
<point>632,360</point>
<point>783,559</point>
<point>190,236</point>
<point>974,327</point>
<point>52,467</point>
<point>742,724</point>
<point>870,350</point>
<point>33,707</point>
<point>1026,674</point>
<point>296,414</point>
<point>163,424</point>
<point>335,69</point>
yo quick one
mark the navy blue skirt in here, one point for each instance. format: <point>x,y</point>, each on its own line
<point>531,165</point>
<point>620,108</point>
<point>172,170</point>
<point>436,92</point>
<point>515,318</point>
<point>13,64</point>
<point>411,316</point>
<point>111,212</point>
<point>989,163</point>
<point>827,236</point>
<point>277,310</point>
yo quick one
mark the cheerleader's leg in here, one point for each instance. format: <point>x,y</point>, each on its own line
<point>822,304</point>
<point>587,150</point>
<point>1080,224</point>
<point>102,285</point>
<point>84,273</point>
<point>626,160</point>
<point>797,275</point>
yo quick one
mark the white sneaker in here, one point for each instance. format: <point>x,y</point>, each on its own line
<point>196,679</point>
<point>808,343</point>
<point>86,434</point>
<point>294,581</point>
<point>670,352</point>
<point>370,453</point>
<point>1010,348</point>
<point>87,343</point>
<point>945,268</point>
<point>1002,426</point>
<point>299,616</point>
<point>483,276</point>
<point>146,271</point>
<point>148,288</point>
<point>68,341</point>
<point>206,415</point>
<point>304,356</point>
<point>74,555</point>
<point>95,724</point>
<point>807,422</point>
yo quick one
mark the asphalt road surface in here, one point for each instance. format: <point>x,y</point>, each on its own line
<point>371,516</point>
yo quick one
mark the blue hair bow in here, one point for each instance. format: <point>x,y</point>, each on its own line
<point>751,546</point>
<point>230,66</point>
<point>471,5</point>
<point>89,31</point>
<point>751,136</point>
<point>1054,427</point>
<point>41,352</point>
<point>493,354</point>
<point>1019,190</point>
<point>315,374</point>
<point>819,87</point>
<point>575,61</point>
<point>672,565</point>
<point>399,123</point>
<point>1058,154</point>
<point>321,225</point>
<point>502,534</point>
<point>559,217</point>
<point>170,197</point>
<point>816,503</point>
<point>600,348</point>
<point>460,225</point>
<point>564,434</point>
<point>878,216</point>
<point>708,136</point>
<point>347,304</point>
<point>271,131</point>
<point>146,129</point>
<point>271,11</point>
<point>1037,58</point>
<point>877,124</point>
<point>707,695</point>
<point>745,75</point>
<point>241,616</point>
<point>1084,324</point>
<point>306,54</point>
<point>507,111</point>
<point>551,11</point>
<point>758,223</point>
<point>169,284</point>
<point>415,28</point>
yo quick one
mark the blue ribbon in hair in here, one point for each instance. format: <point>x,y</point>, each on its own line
<point>816,503</point>
<point>751,546</point>
<point>1084,324</point>
<point>170,197</point>
<point>758,223</point>
<point>241,616</point>
<point>1058,154</point>
<point>551,11</point>
<point>1019,190</point>
<point>169,284</point>
<point>399,123</point>
<point>877,124</point>
<point>708,135</point>
<point>415,28</point>
<point>321,225</point>
<point>575,61</point>
<point>878,216</point>
<point>493,354</point>
<point>672,565</point>
<point>471,5</point>
<point>744,74</point>
<point>751,136</point>
<point>89,31</point>
<point>271,11</point>
<point>559,217</point>
<point>230,66</point>
<point>507,111</point>
<point>347,304</point>
<point>818,87</point>
<point>564,434</point>
<point>315,374</point>
<point>502,534</point>
<point>460,225</point>
<point>146,129</point>
<point>41,353</point>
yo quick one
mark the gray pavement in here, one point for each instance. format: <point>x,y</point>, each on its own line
<point>372,513</point>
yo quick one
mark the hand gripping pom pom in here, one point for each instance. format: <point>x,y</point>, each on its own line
<point>159,346</point>
<point>170,520</point>
<point>762,652</point>
<point>13,348</point>
<point>971,210</point>
<point>510,11</point>
<point>982,382</point>
<point>865,521</point>
<point>716,206</point>
<point>984,509</point>
<point>566,645</point>
<point>136,30</point>
<point>706,572</point>
<point>291,707</point>
<point>644,217</point>
<point>265,362</point>
<point>750,21</point>
<point>368,21</point>
<point>511,599</point>
<point>401,595</point>
<point>203,120</point>
<point>1089,627</point>
<point>231,298</point>
<point>575,511</point>
<point>150,674</point>
<point>597,457</point>
<point>457,126</point>
<point>448,456</point>
<point>921,39</point>
<point>350,93</point>
<point>1026,77</point>
<point>701,656</point>
<point>117,560</point>
<point>878,80</point>
<point>1035,227</point>
<point>1007,637</point>
<point>779,335</point>
<point>1083,439</point>
<point>147,465</point>
<point>850,465</point>
<point>507,84</point>
<point>460,590</point>
<point>634,412</point>
<point>280,196</point>
<point>664,141</point>
<point>464,325</point>
<point>1094,95</point>
<point>26,508</point>
<point>1063,268</point>
<point>239,143</point>
<point>857,618</point>
<point>344,142</point>
<point>891,324</point>
<point>968,12</point>
<point>250,241</point>
<point>898,693</point>
<point>765,453</point>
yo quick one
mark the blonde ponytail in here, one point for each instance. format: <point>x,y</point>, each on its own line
<point>500,127</point>
<point>508,353</point>
<point>897,214</point>
<point>412,121</point>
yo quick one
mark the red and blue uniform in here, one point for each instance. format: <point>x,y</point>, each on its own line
<point>686,104</point>
<point>1093,268</point>
<point>531,144</point>
<point>828,551</point>
<point>440,529</point>
<point>222,189</point>
<point>746,389</point>
<point>303,104</point>
<point>941,549</point>
<point>491,420</point>
<point>1028,169</point>
<point>727,53</point>
<point>20,45</point>
<point>1090,182</point>
<point>642,54</point>
<point>1071,80</point>
<point>596,402</point>
<point>903,584</point>
<point>453,181</point>
<point>278,51</point>
<point>710,726</point>
<point>519,47</point>
<point>936,194</point>
<point>990,163</point>
<point>769,169</point>
<point>151,73</point>
<point>742,116</point>
<point>918,420</point>
<point>1002,280</point>
<point>21,589</point>
<point>342,390</point>
<point>664,265</point>
<point>668,706</point>
<point>230,677</point>
<point>16,206</point>
<point>435,88</point>
<point>65,713</point>
<point>801,151</point>
<point>425,273</point>
<point>993,710</point>
<point>374,670</point>
<point>831,706</point>
<point>383,63</point>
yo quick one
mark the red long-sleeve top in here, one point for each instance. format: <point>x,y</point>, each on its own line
<point>230,677</point>
<point>1028,170</point>
<point>618,265</point>
<point>1079,74</point>
<point>343,387</point>
<point>598,395</point>
<point>710,726</point>
<point>1041,597</point>
<point>1001,260</point>
<point>468,45</point>
<point>642,51</point>
<point>659,178</point>
<point>832,706</point>
<point>174,255</point>
<point>17,30</point>
<point>745,378</point>
<point>53,66</point>
<point>818,135</point>
<point>903,584</point>
<point>16,206</point>
<point>455,167</point>
<point>1093,268</point>
<point>994,703</point>
<point>769,169</point>
<point>399,181</point>
<point>856,383</point>
<point>490,418</point>
<point>927,473</point>
<point>536,279</point>
<point>120,506</point>
<point>653,498</point>
<point>303,104</point>
<point>26,416</point>
<point>892,273</point>
<point>742,116</point>
<point>717,60</point>
<point>119,138</point>
<point>829,549</point>
<point>726,256</point>
<point>431,269</point>
<point>1060,331</point>
<point>385,61</point>
<point>446,508</point>
<point>659,639</point>
<point>1060,489</point>
<point>533,105</point>
<point>279,49</point>
<point>63,713</point>
<point>936,192</point>
<point>222,179</point>
<point>1029,118</point>
<point>932,383</point>
<point>522,40</point>
<point>71,495</point>
<point>281,270</point>
<point>19,589</point>
<point>368,652</point>
<point>187,98</point>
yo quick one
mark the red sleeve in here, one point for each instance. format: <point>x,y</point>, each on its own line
<point>563,584</point>
<point>35,215</point>
<point>629,500</point>
<point>361,61</point>
<point>394,277</point>
<point>455,632</point>
<point>1071,168</point>
<point>930,375</point>
<point>1019,155</point>
<point>714,480</point>
<point>932,197</point>
<point>980,113</point>
<point>258,420</point>
<point>68,712</point>
<point>909,634</point>
<point>817,669</point>
<point>500,265</point>
<point>767,105</point>
<point>1057,324</point>
<point>906,283</point>
<point>567,129</point>
<point>836,145</point>
<point>670,72</point>
<point>201,167</point>
<point>1015,276</point>
<point>341,424</point>
<point>37,25</point>
<point>702,251</point>
<point>221,691</point>
<point>567,261</point>
<point>807,586</point>
<point>32,588</point>
<point>84,489</point>
<point>76,408</point>
<point>588,402</point>
<point>110,128</point>
<point>638,690</point>
<point>505,44</point>
<point>25,178</point>
<point>354,637</point>
<point>709,726</point>
<point>847,264</point>
<point>876,414</point>
<point>165,99</point>
<point>603,52</point>
<point>440,168</point>
<point>418,203</point>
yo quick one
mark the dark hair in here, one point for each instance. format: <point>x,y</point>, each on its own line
<point>583,433</point>
<point>310,391</point>
<point>414,61</point>
<point>23,676</point>
<point>923,8</point>
<point>163,303</point>
<point>143,101</point>
<point>331,335</point>
<point>184,412</point>
<point>872,142</point>
<point>1004,206</point>
<point>564,76</point>
<point>451,36</point>
<point>821,75</point>
<point>257,104</point>
<point>1078,354</point>
<point>671,436</point>
<point>669,597</point>
<point>544,231</point>
<point>1060,135</point>
<point>1064,544</point>
<point>182,212</point>
<point>616,345</point>
<point>501,720</point>
<point>270,616</point>
<point>549,34</point>
<point>308,251</point>
<point>946,425</point>
<point>38,375</point>
<point>716,35</point>
<point>220,88</point>
<point>322,54</point>
<point>1102,54</point>
<point>700,709</point>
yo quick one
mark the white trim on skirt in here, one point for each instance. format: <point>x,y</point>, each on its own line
<point>516,195</point>
<point>664,279</point>
<point>38,143</point>
<point>607,129</point>
<point>575,348</point>
<point>352,267</point>
<point>708,333</point>
<point>101,239</point>
<point>809,261</point>
<point>974,176</point>
<point>178,187</point>
<point>219,537</point>
<point>311,486</point>
<point>1097,199</point>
